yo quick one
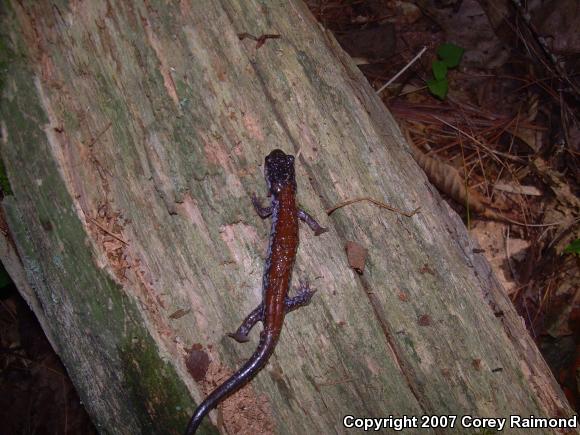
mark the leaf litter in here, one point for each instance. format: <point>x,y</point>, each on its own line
<point>502,145</point>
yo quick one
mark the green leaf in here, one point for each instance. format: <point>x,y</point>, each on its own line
<point>450,54</point>
<point>438,88</point>
<point>573,248</point>
<point>439,70</point>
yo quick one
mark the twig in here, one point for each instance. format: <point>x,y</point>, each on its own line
<point>396,76</point>
<point>338,382</point>
<point>108,232</point>
<point>260,40</point>
<point>490,151</point>
<point>99,135</point>
<point>374,201</point>
<point>508,256</point>
<point>490,214</point>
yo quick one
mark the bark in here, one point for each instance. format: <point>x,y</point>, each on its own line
<point>133,134</point>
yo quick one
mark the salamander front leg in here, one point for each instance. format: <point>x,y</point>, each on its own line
<point>263,212</point>
<point>314,226</point>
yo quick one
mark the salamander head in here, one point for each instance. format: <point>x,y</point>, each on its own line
<point>279,171</point>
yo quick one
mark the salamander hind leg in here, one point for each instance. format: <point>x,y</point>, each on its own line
<point>302,299</point>
<point>314,226</point>
<point>241,334</point>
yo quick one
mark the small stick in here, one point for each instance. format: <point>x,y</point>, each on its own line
<point>493,153</point>
<point>260,40</point>
<point>108,232</point>
<point>396,76</point>
<point>98,136</point>
<point>338,382</point>
<point>375,202</point>
<point>490,214</point>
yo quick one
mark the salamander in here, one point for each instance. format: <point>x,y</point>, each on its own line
<point>282,247</point>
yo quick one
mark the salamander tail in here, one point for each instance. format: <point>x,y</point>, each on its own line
<point>240,378</point>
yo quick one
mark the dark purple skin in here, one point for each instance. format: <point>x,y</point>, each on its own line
<point>279,173</point>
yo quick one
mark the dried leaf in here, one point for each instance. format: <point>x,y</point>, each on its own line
<point>447,179</point>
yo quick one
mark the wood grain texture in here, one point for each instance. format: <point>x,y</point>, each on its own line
<point>133,134</point>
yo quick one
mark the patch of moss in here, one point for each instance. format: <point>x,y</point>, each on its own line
<point>95,323</point>
<point>6,56</point>
<point>163,403</point>
<point>4,182</point>
<point>407,340</point>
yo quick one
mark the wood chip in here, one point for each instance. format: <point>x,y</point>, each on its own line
<point>356,255</point>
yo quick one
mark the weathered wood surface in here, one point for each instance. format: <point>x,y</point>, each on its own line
<point>133,134</point>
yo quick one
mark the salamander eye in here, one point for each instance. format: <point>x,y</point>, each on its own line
<point>291,159</point>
